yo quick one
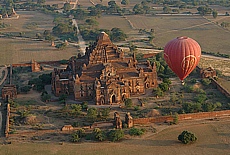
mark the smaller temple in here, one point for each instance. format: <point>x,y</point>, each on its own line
<point>12,15</point>
<point>117,121</point>
<point>208,72</point>
<point>129,120</point>
<point>9,92</point>
<point>35,67</point>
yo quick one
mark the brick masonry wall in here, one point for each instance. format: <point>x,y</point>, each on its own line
<point>182,117</point>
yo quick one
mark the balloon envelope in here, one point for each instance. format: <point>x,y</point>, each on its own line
<point>182,54</point>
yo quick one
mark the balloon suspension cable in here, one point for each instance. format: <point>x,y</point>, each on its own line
<point>182,82</point>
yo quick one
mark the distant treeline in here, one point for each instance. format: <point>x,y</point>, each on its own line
<point>217,54</point>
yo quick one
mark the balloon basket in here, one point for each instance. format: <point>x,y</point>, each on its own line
<point>182,83</point>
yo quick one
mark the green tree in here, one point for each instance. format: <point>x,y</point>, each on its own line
<point>138,9</point>
<point>205,82</point>
<point>67,7</point>
<point>94,11</point>
<point>115,135</point>
<point>80,14</point>
<point>117,34</point>
<point>98,134</point>
<point>45,97</point>
<point>167,9</point>
<point>174,98</point>
<point>84,105</point>
<point>136,132</point>
<point>61,46</point>
<point>125,2</point>
<point>167,81</point>
<point>201,98</point>
<point>91,22</point>
<point>132,47</point>
<point>76,109</point>
<point>207,107</point>
<point>46,78</point>
<point>164,86</point>
<point>214,13</point>
<point>175,118</point>
<point>92,114</point>
<point>188,88</point>
<point>158,92</point>
<point>38,35</point>
<point>25,89</point>
<point>105,113</point>
<point>62,98</point>
<point>75,137</point>
<point>187,137</point>
<point>203,10</point>
<point>41,1</point>
<point>81,133</point>
<point>128,103</point>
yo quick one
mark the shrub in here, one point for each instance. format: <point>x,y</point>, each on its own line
<point>92,114</point>
<point>175,118</point>
<point>187,137</point>
<point>45,97</point>
<point>136,132</point>
<point>98,134</point>
<point>105,113</point>
<point>76,109</point>
<point>128,103</point>
<point>25,89</point>
<point>75,138</point>
<point>205,82</point>
<point>84,105</point>
<point>115,135</point>
<point>136,108</point>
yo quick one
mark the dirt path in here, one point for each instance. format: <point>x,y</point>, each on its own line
<point>82,43</point>
<point>3,71</point>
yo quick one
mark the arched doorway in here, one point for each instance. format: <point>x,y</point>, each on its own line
<point>113,98</point>
<point>123,97</point>
<point>102,101</point>
<point>146,85</point>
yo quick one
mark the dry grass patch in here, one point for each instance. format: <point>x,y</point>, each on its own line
<point>23,51</point>
<point>111,21</point>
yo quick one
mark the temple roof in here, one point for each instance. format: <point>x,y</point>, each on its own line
<point>103,38</point>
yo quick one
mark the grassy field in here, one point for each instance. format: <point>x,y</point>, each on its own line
<point>213,139</point>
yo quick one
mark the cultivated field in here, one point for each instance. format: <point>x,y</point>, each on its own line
<point>24,49</point>
<point>211,37</point>
<point>213,139</point>
<point>29,23</point>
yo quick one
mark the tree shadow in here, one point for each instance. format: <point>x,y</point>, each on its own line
<point>220,146</point>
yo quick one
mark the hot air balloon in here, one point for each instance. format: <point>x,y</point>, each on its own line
<point>182,55</point>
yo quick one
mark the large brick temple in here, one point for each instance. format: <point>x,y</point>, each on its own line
<point>104,75</point>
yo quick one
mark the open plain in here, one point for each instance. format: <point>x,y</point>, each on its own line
<point>213,139</point>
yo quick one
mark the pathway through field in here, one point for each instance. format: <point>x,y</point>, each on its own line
<point>4,73</point>
<point>82,43</point>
